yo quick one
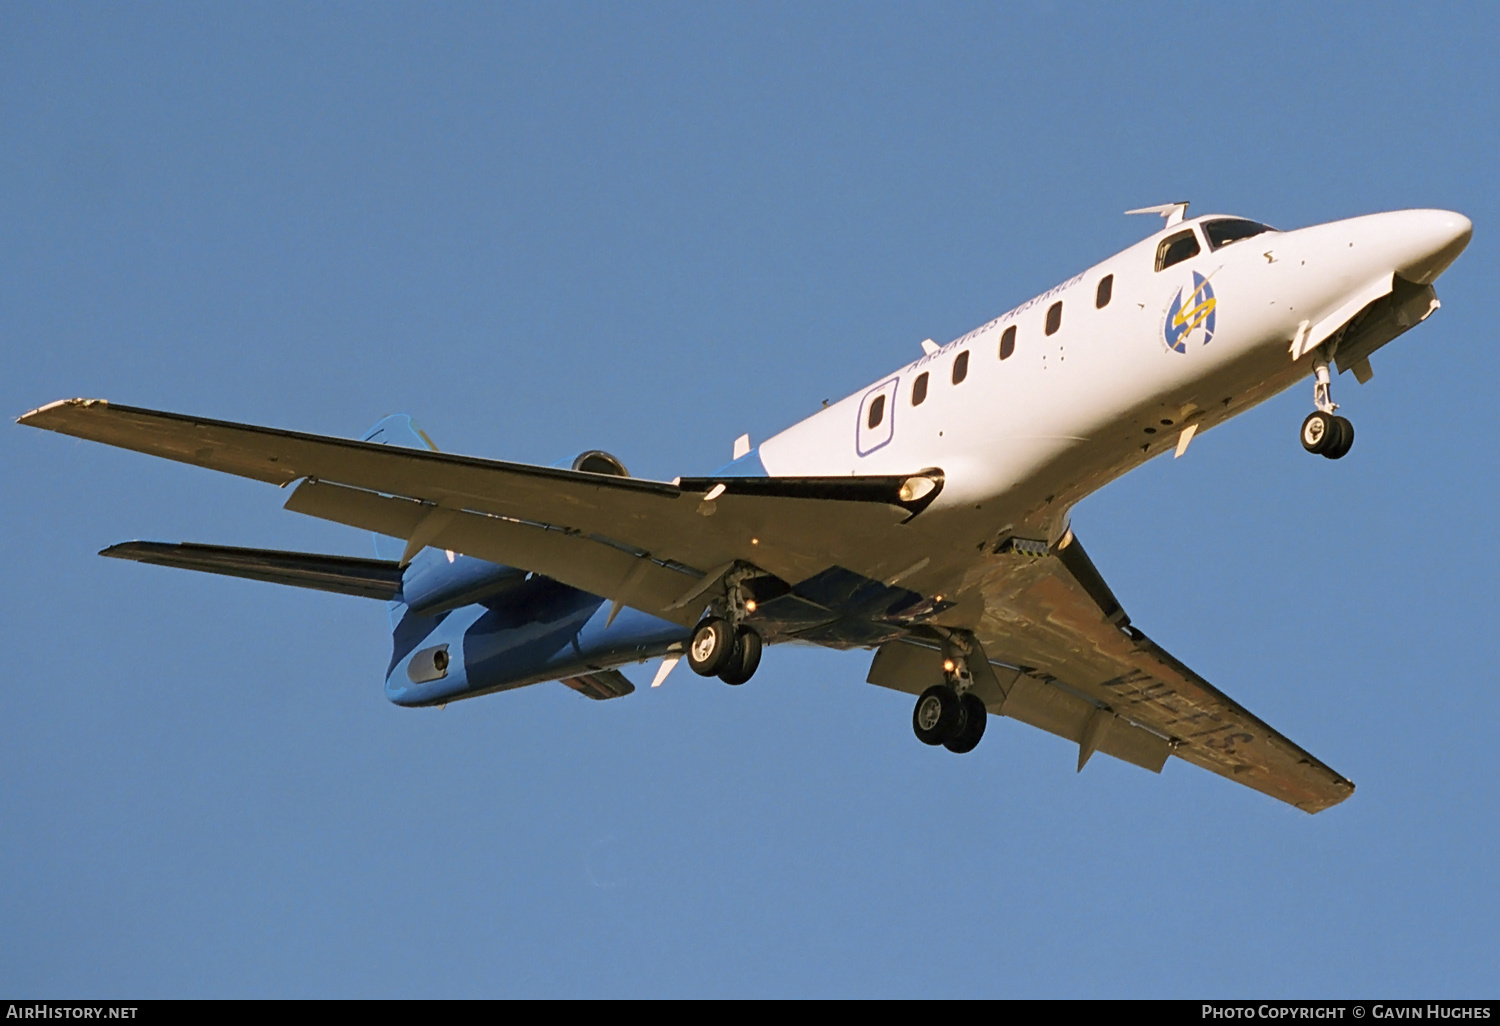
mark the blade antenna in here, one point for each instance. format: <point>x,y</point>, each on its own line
<point>1173,212</point>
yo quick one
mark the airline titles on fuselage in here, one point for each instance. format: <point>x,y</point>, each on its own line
<point>1009,315</point>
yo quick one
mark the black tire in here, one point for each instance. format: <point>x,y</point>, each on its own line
<point>1320,432</point>
<point>1345,442</point>
<point>711,646</point>
<point>975,718</point>
<point>938,715</point>
<point>742,664</point>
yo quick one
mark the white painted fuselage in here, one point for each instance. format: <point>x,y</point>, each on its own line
<point>1021,439</point>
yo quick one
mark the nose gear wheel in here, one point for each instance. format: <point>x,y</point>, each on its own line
<point>1327,435</point>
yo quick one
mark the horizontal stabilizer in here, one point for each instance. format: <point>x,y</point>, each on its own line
<point>346,575</point>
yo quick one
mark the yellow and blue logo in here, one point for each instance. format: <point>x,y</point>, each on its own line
<point>1189,318</point>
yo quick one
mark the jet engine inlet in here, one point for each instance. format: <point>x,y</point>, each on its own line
<point>597,461</point>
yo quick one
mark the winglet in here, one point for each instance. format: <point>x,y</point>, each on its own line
<point>1173,212</point>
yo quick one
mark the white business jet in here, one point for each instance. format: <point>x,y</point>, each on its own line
<point>925,517</point>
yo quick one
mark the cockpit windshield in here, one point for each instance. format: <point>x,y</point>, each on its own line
<point>1232,229</point>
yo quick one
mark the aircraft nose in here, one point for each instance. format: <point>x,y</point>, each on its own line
<point>1430,241</point>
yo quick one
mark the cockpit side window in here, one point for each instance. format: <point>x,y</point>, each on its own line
<point>1174,249</point>
<point>1232,229</point>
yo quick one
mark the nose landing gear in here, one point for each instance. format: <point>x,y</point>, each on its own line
<point>1324,433</point>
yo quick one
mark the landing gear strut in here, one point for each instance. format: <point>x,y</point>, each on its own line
<point>1324,433</point>
<point>949,714</point>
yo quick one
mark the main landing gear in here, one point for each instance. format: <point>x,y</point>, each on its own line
<point>1323,433</point>
<point>949,714</point>
<point>719,649</point>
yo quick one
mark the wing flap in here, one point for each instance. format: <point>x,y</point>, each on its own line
<point>344,575</point>
<point>913,668</point>
<point>585,563</point>
<point>1050,708</point>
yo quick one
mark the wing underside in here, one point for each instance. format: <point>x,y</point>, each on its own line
<point>1056,627</point>
<point>1060,654</point>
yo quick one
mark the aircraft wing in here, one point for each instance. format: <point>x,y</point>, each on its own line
<point>651,544</point>
<point>1081,670</point>
<point>1055,619</point>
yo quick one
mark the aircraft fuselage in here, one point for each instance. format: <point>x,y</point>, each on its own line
<point>1024,416</point>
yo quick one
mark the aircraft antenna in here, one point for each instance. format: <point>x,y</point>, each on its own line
<point>1173,212</point>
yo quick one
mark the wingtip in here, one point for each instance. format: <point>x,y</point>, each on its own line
<point>136,551</point>
<point>1344,784</point>
<point>32,415</point>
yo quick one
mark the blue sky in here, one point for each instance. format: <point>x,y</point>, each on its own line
<point>649,228</point>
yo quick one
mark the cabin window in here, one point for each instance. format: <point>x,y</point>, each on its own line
<point>1104,292</point>
<point>1054,318</point>
<point>877,412</point>
<point>961,366</point>
<point>919,389</point>
<point>1008,342</point>
<point>1174,249</point>
<point>1232,229</point>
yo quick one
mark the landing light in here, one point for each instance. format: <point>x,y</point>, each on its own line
<point>914,488</point>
